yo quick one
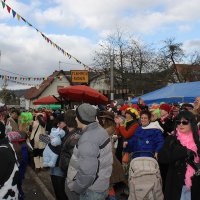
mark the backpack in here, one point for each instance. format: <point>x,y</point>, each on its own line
<point>145,181</point>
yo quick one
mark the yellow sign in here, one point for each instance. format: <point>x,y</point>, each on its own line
<point>79,76</point>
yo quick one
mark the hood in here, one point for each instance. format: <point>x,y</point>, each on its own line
<point>154,125</point>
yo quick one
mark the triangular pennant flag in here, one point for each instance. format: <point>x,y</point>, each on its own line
<point>8,8</point>
<point>3,4</point>
<point>14,13</point>
<point>54,45</point>
<point>18,16</point>
<point>47,39</point>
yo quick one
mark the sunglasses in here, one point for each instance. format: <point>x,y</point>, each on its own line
<point>183,122</point>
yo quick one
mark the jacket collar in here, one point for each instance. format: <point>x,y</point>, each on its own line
<point>90,126</point>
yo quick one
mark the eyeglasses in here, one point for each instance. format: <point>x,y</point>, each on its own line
<point>183,122</point>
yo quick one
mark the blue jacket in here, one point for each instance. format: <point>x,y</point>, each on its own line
<point>51,151</point>
<point>146,140</point>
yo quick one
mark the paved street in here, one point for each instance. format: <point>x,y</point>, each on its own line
<point>31,189</point>
<point>39,187</point>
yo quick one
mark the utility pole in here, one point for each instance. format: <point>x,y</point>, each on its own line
<point>112,76</point>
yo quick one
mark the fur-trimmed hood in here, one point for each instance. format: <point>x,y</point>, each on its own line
<point>154,125</point>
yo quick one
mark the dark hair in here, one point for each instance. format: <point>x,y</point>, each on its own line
<point>133,115</point>
<point>108,122</point>
<point>146,112</point>
<point>70,118</point>
<point>15,111</point>
<point>183,107</point>
<point>193,122</point>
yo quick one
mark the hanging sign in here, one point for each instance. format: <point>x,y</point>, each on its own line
<point>79,76</point>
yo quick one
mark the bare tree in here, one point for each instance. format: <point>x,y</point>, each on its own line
<point>170,54</point>
<point>114,46</point>
<point>194,58</point>
<point>141,57</point>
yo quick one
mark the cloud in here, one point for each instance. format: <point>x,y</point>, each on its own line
<point>139,16</point>
<point>185,28</point>
<point>25,52</point>
<point>104,16</point>
<point>191,45</point>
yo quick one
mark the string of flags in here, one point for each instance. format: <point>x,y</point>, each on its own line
<point>48,40</point>
<point>17,82</point>
<point>24,78</point>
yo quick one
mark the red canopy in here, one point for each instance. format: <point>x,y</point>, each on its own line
<point>82,93</point>
<point>46,100</point>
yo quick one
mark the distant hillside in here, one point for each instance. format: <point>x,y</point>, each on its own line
<point>19,93</point>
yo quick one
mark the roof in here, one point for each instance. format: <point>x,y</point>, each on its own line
<point>183,68</point>
<point>35,92</point>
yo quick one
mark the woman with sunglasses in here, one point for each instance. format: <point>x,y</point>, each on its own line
<point>181,151</point>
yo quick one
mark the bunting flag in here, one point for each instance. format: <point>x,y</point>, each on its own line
<point>14,13</point>
<point>3,4</point>
<point>48,40</point>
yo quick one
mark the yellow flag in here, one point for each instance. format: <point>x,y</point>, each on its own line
<point>18,17</point>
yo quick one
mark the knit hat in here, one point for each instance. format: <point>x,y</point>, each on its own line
<point>135,106</point>
<point>124,107</point>
<point>133,112</point>
<point>165,107</point>
<point>86,113</point>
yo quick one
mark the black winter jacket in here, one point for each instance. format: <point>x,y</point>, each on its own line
<point>70,140</point>
<point>174,154</point>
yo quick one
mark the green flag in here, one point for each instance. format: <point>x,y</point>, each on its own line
<point>3,4</point>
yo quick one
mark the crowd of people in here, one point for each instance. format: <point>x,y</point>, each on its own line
<point>97,153</point>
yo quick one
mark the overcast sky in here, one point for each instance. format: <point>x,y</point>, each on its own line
<point>79,25</point>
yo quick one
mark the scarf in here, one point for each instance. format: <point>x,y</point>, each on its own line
<point>187,141</point>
